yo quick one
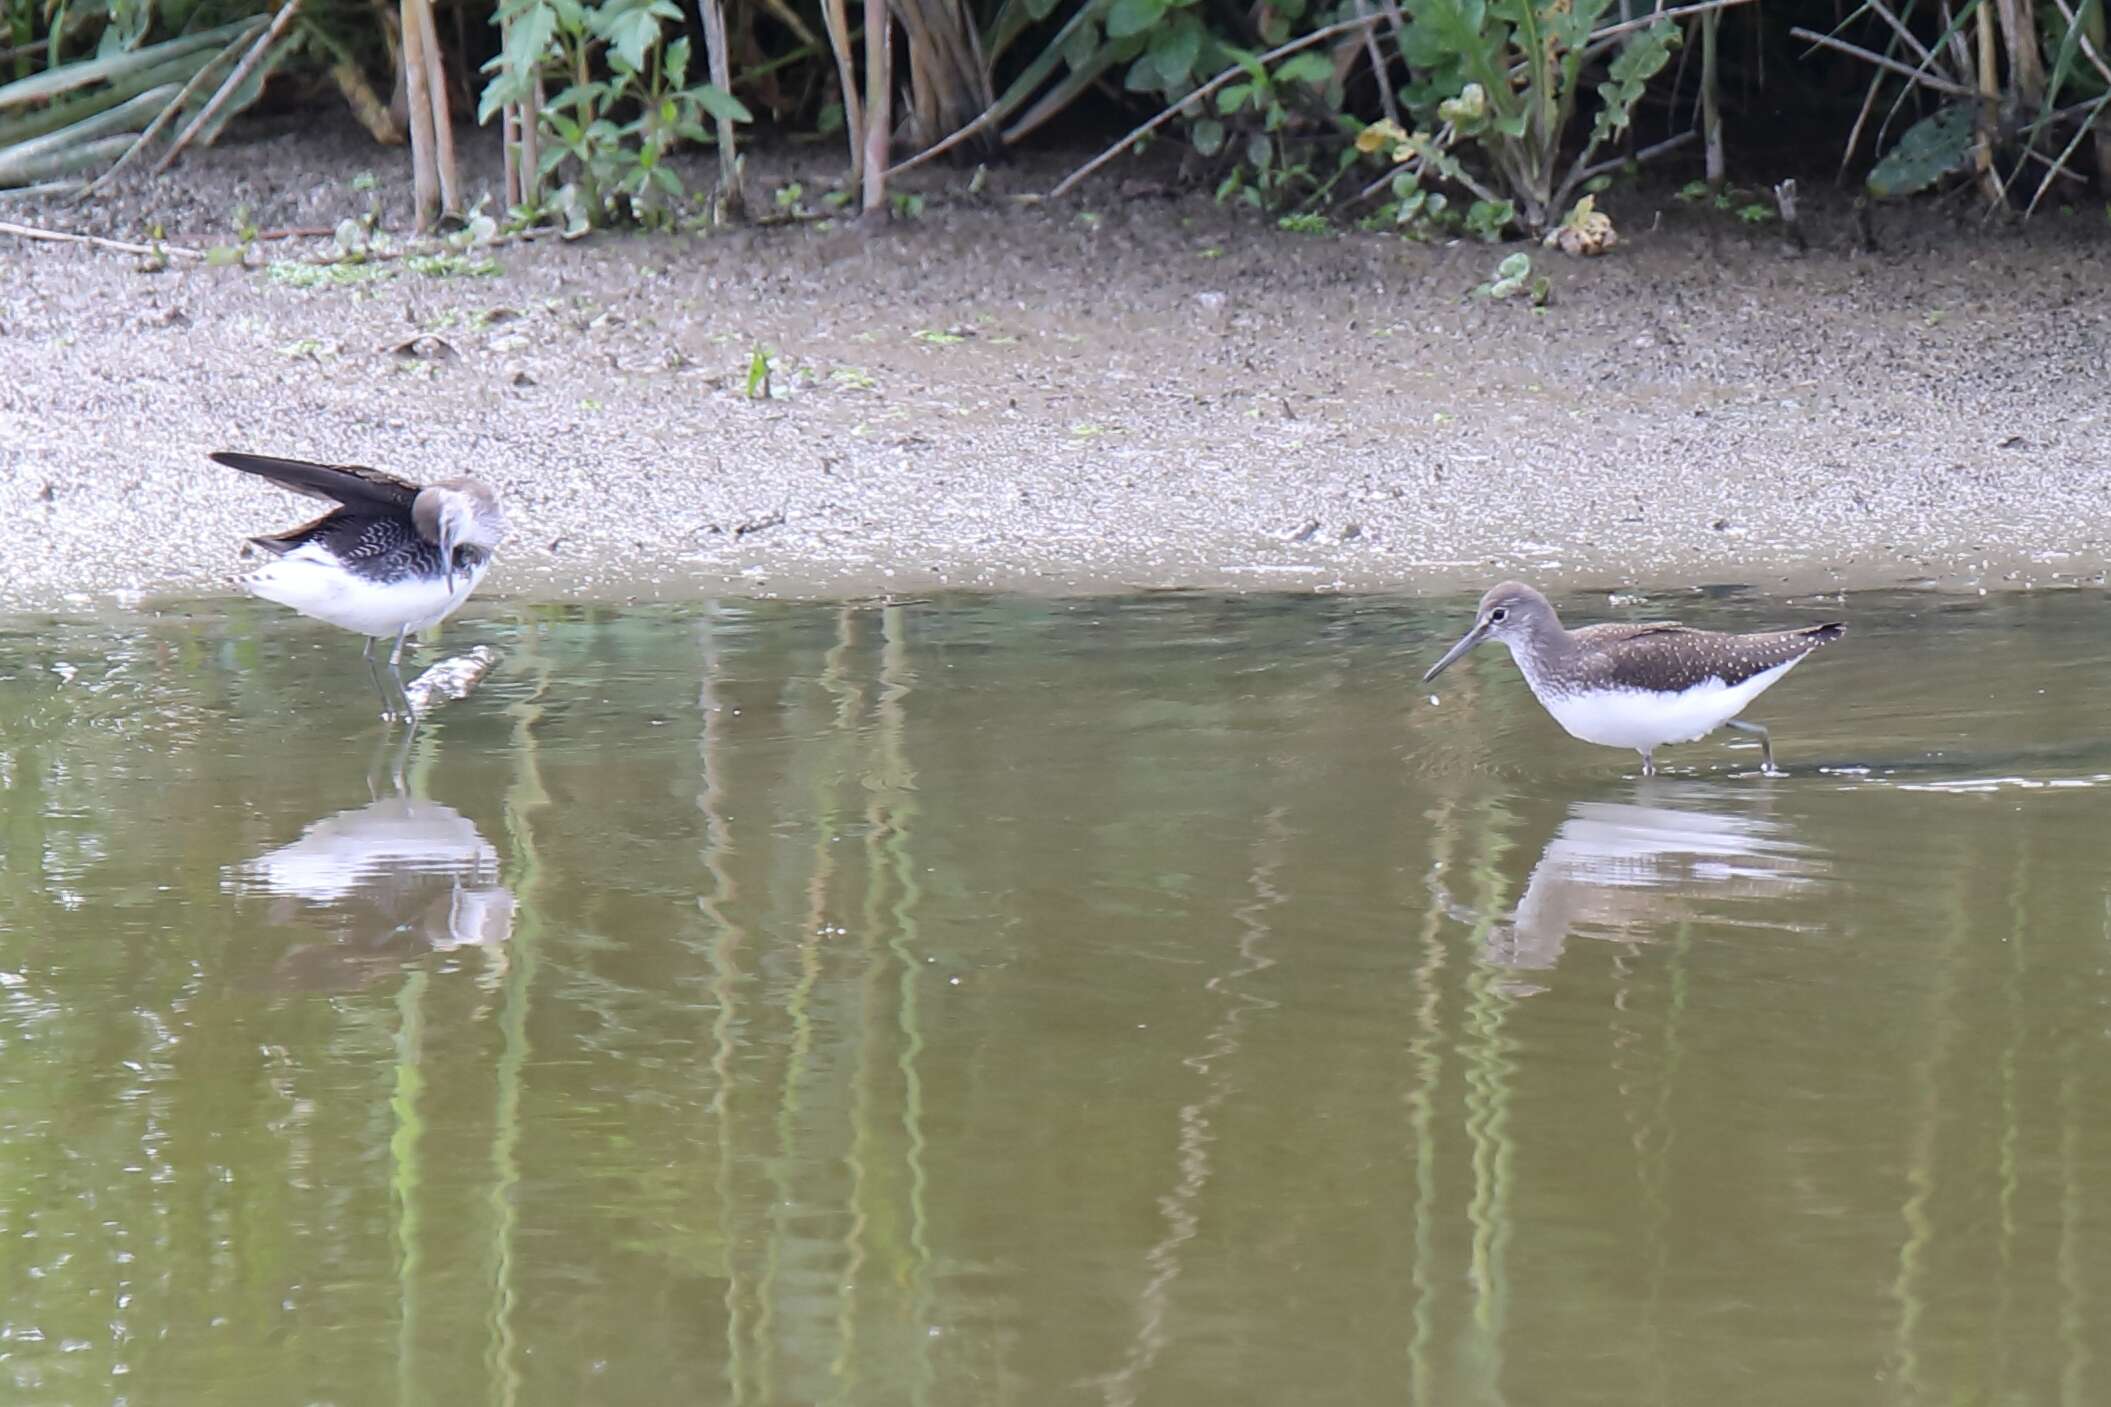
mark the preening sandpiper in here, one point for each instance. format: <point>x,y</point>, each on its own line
<point>1638,686</point>
<point>393,557</point>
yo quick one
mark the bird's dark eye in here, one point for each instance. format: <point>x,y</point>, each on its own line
<point>1499,615</point>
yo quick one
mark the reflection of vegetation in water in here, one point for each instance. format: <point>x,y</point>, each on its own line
<point>1486,1054</point>
<point>406,1177</point>
<point>1195,1123</point>
<point>1938,1028</point>
<point>2008,1165</point>
<point>895,680</point>
<point>727,940</point>
<point>825,764</point>
<point>889,1222</point>
<point>526,797</point>
<point>2076,1197</point>
<point>767,1123</point>
<point>1426,1047</point>
<point>861,1155</point>
<point>1653,1150</point>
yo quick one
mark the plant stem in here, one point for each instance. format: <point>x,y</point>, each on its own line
<point>879,103</point>
<point>1305,41</point>
<point>837,19</point>
<point>116,246</point>
<point>425,180</point>
<point>1584,173</point>
<point>234,81</point>
<point>442,119</point>
<point>1926,80</point>
<point>732,203</point>
<point>168,114</point>
<point>1385,81</point>
<point>1601,39</point>
<point>1022,88</point>
<point>1711,105</point>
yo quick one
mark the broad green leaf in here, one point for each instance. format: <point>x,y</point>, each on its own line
<point>1126,17</point>
<point>42,158</point>
<point>719,103</point>
<point>1248,60</point>
<point>1627,77</point>
<point>516,65</point>
<point>1307,67</point>
<point>1082,47</point>
<point>1467,110</point>
<point>579,97</point>
<point>1208,136</point>
<point>631,36</point>
<point>1931,149</point>
<point>41,87</point>
<point>1232,97</point>
<point>1175,47</point>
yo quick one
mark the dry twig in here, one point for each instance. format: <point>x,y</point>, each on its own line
<point>250,60</point>
<point>115,246</point>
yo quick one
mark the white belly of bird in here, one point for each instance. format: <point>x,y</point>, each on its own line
<point>316,584</point>
<point>1643,718</point>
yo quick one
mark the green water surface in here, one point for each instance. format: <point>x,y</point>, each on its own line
<point>1161,1000</point>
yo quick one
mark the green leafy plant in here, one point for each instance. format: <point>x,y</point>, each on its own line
<point>1513,278</point>
<point>1487,220</point>
<point>627,102</point>
<point>1504,77</point>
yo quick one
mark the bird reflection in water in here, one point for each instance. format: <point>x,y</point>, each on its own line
<point>1631,871</point>
<point>384,884</point>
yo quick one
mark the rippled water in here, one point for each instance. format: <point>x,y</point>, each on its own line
<point>1156,1000</point>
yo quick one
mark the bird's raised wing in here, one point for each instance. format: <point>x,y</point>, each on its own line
<point>353,485</point>
<point>1674,657</point>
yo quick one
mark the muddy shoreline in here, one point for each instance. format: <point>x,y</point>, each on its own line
<point>1127,391</point>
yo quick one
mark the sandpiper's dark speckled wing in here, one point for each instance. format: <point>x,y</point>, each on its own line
<point>353,485</point>
<point>367,544</point>
<point>371,524</point>
<point>1674,657</point>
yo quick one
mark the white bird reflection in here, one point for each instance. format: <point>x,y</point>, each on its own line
<point>1628,871</point>
<point>386,882</point>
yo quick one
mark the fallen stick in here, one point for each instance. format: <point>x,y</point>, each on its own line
<point>115,246</point>
<point>451,678</point>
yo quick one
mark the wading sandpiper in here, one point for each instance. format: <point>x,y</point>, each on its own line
<point>1638,686</point>
<point>392,558</point>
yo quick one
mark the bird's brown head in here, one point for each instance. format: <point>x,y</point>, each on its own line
<point>1508,612</point>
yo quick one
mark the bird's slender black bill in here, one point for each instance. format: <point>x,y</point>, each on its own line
<point>1466,642</point>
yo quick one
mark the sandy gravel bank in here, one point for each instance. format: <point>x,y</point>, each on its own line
<point>1121,393</point>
